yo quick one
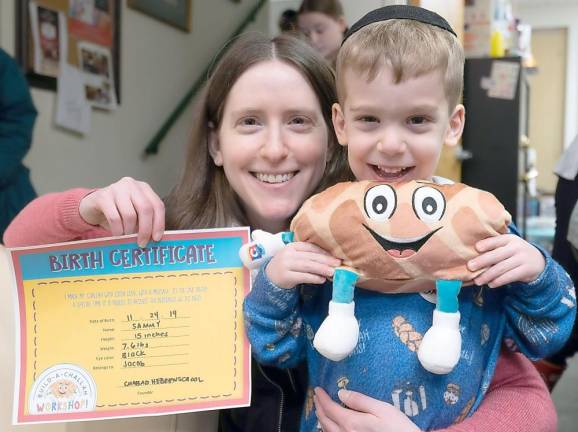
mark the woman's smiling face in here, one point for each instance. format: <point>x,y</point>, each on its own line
<point>272,142</point>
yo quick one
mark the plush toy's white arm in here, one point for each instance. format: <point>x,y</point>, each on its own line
<point>264,245</point>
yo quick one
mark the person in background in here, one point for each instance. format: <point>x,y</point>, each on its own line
<point>17,116</point>
<point>566,199</point>
<point>288,21</point>
<point>323,23</point>
<point>573,232</point>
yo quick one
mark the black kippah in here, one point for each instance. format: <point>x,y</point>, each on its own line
<point>400,12</point>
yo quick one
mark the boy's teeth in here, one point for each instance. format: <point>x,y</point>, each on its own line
<point>274,178</point>
<point>390,170</point>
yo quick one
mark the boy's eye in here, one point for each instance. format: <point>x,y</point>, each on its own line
<point>417,120</point>
<point>368,119</point>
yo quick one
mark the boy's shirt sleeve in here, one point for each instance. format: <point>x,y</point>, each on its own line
<point>273,323</point>
<point>540,314</point>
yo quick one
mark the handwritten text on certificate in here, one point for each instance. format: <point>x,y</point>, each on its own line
<point>108,329</point>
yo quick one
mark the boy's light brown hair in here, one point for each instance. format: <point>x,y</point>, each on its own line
<point>411,48</point>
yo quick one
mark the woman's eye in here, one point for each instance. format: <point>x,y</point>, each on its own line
<point>429,204</point>
<point>300,121</point>
<point>380,202</point>
<point>248,122</point>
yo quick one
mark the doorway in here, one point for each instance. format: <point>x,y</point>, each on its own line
<point>547,102</point>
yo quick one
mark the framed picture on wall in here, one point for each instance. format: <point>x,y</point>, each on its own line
<point>48,32</point>
<point>174,12</point>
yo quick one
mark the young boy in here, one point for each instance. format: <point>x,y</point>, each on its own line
<point>399,78</point>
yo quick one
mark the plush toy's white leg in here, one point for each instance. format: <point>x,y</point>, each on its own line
<point>264,245</point>
<point>441,347</point>
<point>339,332</point>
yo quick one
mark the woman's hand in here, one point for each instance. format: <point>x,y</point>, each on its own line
<point>364,414</point>
<point>301,263</point>
<point>126,207</point>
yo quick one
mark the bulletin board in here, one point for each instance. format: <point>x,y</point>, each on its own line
<point>85,32</point>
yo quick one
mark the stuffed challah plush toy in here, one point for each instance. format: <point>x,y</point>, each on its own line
<point>393,238</point>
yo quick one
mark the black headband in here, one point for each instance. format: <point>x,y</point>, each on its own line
<point>400,12</point>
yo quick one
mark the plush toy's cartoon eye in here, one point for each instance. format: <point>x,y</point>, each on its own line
<point>429,204</point>
<point>380,202</point>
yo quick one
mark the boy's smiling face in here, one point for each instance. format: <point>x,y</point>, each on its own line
<point>395,131</point>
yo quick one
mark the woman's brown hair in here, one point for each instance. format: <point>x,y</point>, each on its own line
<point>203,197</point>
<point>332,8</point>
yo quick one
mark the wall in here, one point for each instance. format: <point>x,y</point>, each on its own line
<point>276,8</point>
<point>159,64</point>
<point>563,14</point>
<point>355,9</point>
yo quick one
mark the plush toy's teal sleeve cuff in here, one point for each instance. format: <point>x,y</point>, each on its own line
<point>343,285</point>
<point>447,294</point>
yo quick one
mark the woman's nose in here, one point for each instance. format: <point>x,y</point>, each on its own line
<point>274,148</point>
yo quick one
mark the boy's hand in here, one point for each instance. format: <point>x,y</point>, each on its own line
<point>126,207</point>
<point>507,258</point>
<point>299,263</point>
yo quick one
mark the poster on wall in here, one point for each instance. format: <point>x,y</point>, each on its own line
<point>91,20</point>
<point>96,66</point>
<point>72,108</point>
<point>108,329</point>
<point>49,35</point>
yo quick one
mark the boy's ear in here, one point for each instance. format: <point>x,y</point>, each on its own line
<point>214,146</point>
<point>339,123</point>
<point>456,126</point>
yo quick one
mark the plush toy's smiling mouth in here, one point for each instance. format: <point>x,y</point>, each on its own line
<point>401,248</point>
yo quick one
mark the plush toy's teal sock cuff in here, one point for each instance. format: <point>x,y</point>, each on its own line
<point>343,285</point>
<point>288,237</point>
<point>447,293</point>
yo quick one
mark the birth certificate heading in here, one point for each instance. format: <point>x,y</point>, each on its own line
<point>108,329</point>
